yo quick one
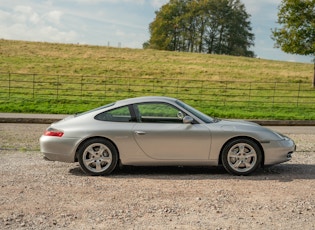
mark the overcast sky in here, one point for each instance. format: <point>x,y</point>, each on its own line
<point>116,23</point>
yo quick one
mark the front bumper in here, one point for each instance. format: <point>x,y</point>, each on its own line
<point>278,151</point>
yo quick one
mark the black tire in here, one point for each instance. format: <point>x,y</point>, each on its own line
<point>97,157</point>
<point>241,156</point>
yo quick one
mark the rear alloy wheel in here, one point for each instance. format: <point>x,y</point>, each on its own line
<point>241,157</point>
<point>98,157</point>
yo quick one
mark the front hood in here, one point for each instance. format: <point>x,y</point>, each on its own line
<point>238,124</point>
<point>245,128</point>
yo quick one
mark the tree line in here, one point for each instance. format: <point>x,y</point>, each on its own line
<point>224,27</point>
<point>203,26</point>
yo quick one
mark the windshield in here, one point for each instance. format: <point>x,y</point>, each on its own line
<point>195,112</point>
<point>93,110</point>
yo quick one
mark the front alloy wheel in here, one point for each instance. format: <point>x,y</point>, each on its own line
<point>98,157</point>
<point>241,157</point>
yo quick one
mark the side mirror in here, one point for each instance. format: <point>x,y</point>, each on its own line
<point>188,120</point>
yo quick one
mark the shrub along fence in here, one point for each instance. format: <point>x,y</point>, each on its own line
<point>199,93</point>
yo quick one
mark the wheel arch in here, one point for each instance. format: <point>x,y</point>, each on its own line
<point>95,137</point>
<point>243,137</point>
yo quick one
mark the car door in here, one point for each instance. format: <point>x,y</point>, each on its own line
<point>162,135</point>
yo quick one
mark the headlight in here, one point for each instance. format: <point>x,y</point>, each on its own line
<point>280,135</point>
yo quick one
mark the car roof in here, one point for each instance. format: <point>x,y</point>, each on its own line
<point>145,99</point>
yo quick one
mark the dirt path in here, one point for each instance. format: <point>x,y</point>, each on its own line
<point>37,194</point>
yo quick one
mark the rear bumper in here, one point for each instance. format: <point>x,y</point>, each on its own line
<point>58,149</point>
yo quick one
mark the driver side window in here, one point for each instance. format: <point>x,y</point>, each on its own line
<point>159,113</point>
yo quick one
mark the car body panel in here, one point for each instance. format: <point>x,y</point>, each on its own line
<point>173,141</point>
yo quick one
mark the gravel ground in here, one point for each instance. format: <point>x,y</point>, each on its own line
<point>38,194</point>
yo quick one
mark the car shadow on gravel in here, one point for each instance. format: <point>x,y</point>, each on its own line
<point>282,172</point>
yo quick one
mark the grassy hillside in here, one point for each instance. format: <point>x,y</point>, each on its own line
<point>73,59</point>
<point>48,58</point>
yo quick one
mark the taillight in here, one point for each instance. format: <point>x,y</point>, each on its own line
<point>53,133</point>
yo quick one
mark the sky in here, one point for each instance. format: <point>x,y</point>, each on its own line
<point>117,23</point>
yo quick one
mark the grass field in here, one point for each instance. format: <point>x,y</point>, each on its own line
<point>218,82</point>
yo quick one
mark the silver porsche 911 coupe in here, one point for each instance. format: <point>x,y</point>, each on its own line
<point>161,131</point>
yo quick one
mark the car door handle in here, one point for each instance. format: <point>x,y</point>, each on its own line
<point>140,132</point>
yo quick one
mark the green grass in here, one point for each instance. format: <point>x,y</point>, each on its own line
<point>65,78</point>
<point>239,112</point>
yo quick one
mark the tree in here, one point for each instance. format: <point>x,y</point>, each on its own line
<point>204,26</point>
<point>240,39</point>
<point>297,34</point>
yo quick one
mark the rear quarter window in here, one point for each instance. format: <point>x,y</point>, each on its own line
<point>121,114</point>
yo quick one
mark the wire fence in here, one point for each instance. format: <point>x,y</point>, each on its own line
<point>202,93</point>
